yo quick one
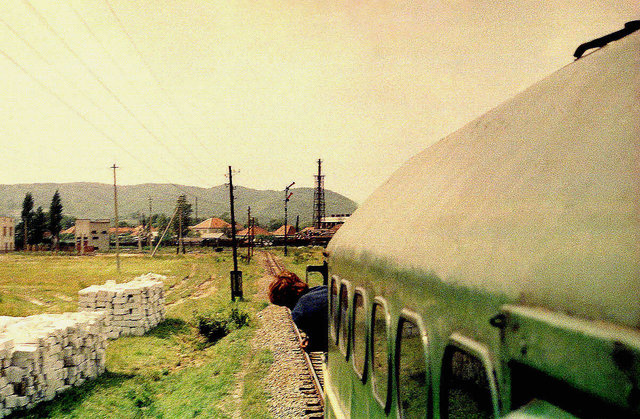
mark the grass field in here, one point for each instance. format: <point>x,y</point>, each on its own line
<point>171,372</point>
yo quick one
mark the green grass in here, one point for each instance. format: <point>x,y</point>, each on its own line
<point>170,372</point>
<point>255,394</point>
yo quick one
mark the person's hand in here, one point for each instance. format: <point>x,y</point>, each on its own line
<point>304,340</point>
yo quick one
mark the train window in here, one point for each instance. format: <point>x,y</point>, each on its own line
<point>359,338</point>
<point>466,391</point>
<point>380,354</point>
<point>343,320</point>
<point>413,388</point>
<point>334,309</point>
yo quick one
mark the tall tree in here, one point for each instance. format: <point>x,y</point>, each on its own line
<point>38,226</point>
<point>27,214</point>
<point>55,218</point>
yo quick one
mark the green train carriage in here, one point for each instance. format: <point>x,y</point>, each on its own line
<point>497,273</point>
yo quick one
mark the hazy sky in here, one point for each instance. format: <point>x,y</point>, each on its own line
<point>177,90</point>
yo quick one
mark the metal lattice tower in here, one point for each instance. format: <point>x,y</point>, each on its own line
<point>318,198</point>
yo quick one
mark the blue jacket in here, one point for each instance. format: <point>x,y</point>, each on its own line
<point>310,315</point>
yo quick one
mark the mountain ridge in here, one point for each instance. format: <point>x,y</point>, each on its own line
<point>95,200</point>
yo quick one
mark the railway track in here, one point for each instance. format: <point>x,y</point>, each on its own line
<point>312,387</point>
<point>274,266</point>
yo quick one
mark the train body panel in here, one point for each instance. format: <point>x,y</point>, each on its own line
<point>498,272</point>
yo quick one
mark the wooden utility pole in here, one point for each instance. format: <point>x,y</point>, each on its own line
<point>115,206</point>
<point>249,236</point>
<point>149,237</point>
<point>140,232</point>
<point>287,195</point>
<point>182,203</point>
<point>236,275</point>
<point>179,227</point>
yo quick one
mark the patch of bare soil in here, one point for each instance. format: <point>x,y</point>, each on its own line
<point>204,289</point>
<point>35,301</point>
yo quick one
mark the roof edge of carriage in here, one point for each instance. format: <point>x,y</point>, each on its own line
<point>537,197</point>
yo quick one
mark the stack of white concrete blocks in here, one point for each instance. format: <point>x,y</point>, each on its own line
<point>43,355</point>
<point>132,308</point>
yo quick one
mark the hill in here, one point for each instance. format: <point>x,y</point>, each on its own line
<point>95,200</point>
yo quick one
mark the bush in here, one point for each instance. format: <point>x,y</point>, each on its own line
<point>216,325</point>
<point>238,318</point>
<point>213,326</point>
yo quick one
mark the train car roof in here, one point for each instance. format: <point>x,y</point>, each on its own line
<point>538,199</point>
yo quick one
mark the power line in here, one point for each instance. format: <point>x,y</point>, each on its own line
<point>68,105</point>
<point>91,123</point>
<point>44,21</point>
<point>155,77</point>
<point>70,83</point>
<point>124,73</point>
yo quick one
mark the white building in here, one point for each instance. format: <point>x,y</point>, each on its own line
<point>7,234</point>
<point>92,235</point>
<point>334,220</point>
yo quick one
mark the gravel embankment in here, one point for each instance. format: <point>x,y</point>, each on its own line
<point>284,375</point>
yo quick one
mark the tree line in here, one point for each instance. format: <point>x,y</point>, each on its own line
<point>34,225</point>
<point>40,227</point>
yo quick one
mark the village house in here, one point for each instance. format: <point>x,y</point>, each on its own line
<point>257,231</point>
<point>291,230</point>
<point>212,228</point>
<point>7,237</point>
<point>92,235</point>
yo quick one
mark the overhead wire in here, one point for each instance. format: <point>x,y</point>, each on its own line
<point>85,119</point>
<point>169,98</point>
<point>74,86</point>
<point>155,77</point>
<point>124,73</point>
<point>44,21</point>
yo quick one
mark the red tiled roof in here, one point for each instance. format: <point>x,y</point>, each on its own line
<point>257,231</point>
<point>291,230</point>
<point>212,223</point>
<point>122,230</point>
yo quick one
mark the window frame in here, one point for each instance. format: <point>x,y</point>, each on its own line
<point>333,324</point>
<point>344,350</point>
<point>365,305</point>
<point>480,352</point>
<point>383,303</point>
<point>415,318</point>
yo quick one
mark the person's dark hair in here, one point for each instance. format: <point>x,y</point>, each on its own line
<point>286,289</point>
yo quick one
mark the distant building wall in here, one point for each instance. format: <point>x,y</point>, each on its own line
<point>334,220</point>
<point>7,234</point>
<point>92,235</point>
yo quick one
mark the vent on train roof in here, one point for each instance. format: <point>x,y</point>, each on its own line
<point>629,28</point>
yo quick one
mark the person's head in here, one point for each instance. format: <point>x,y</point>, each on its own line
<point>286,289</point>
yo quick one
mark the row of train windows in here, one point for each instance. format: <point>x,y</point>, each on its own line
<point>465,385</point>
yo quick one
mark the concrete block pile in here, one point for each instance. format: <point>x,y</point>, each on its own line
<point>44,355</point>
<point>132,308</point>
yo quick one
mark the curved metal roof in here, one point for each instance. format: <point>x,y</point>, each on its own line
<point>538,198</point>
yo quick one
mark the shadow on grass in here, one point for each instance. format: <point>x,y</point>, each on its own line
<point>68,401</point>
<point>168,328</point>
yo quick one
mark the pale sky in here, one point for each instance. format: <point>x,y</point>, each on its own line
<point>178,90</point>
